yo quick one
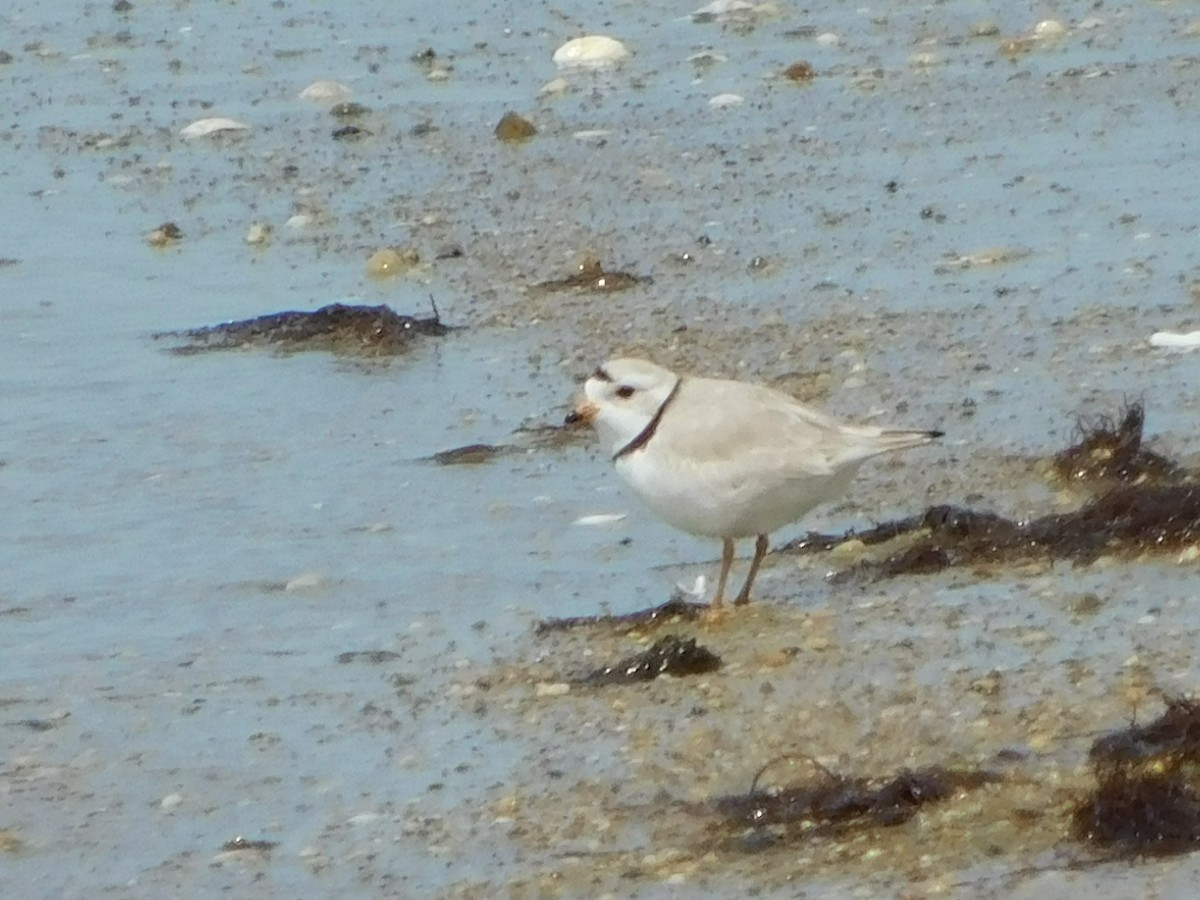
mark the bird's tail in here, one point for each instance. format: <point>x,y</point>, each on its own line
<point>902,440</point>
<point>866,441</point>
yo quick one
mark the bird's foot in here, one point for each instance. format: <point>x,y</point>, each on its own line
<point>716,615</point>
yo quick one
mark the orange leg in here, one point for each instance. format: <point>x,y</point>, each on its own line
<point>760,550</point>
<point>726,562</point>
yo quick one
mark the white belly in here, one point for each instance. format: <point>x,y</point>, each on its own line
<point>721,500</point>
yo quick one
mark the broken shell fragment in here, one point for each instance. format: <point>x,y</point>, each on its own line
<point>259,233</point>
<point>208,127</point>
<point>1175,341</point>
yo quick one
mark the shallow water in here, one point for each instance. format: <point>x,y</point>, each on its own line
<point>194,541</point>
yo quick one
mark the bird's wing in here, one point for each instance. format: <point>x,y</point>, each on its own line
<point>716,421</point>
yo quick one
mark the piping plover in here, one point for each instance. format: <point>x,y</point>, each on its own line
<point>725,459</point>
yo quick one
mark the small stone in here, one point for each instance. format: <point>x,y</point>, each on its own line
<point>800,71</point>
<point>164,235</point>
<point>514,129</point>
<point>259,233</point>
<point>389,261</point>
<point>556,689</point>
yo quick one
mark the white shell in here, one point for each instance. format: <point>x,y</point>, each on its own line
<point>205,127</point>
<point>724,101</point>
<point>722,9</point>
<point>326,92</point>
<point>1175,340</point>
<point>600,519</point>
<point>1049,28</point>
<point>594,51</point>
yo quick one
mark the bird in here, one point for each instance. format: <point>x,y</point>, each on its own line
<point>725,459</point>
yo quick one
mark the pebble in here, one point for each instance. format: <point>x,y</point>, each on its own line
<point>552,689</point>
<point>801,70</point>
<point>514,128</point>
<point>595,51</point>
<point>258,233</point>
<point>164,235</point>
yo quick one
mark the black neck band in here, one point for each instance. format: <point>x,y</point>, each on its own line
<point>646,433</point>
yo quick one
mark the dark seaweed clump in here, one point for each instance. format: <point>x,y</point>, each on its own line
<point>1113,451</point>
<point>1151,505</point>
<point>524,438</point>
<point>471,454</point>
<point>831,803</point>
<point>1147,798</point>
<point>674,610</point>
<point>241,843</point>
<point>669,655</point>
<point>1130,519</point>
<point>338,327</point>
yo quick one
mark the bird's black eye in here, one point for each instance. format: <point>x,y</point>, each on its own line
<point>625,392</point>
